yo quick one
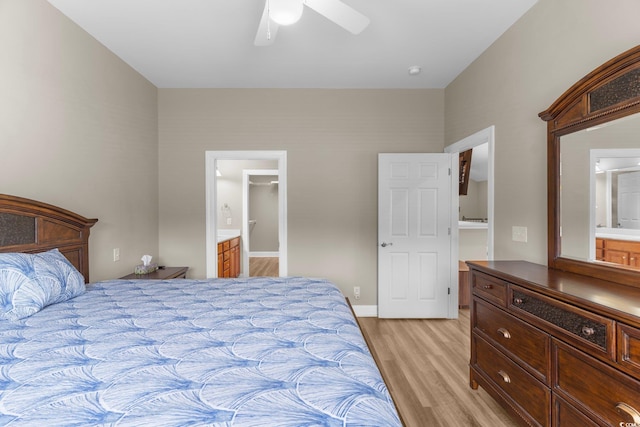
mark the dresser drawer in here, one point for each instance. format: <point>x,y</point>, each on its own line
<point>629,349</point>
<point>565,415</point>
<point>588,331</point>
<point>527,392</point>
<point>596,388</point>
<point>529,345</point>
<point>489,287</point>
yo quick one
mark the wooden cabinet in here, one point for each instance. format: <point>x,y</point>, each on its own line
<point>599,249</point>
<point>555,348</point>
<point>229,258</point>
<point>464,292</point>
<point>624,252</point>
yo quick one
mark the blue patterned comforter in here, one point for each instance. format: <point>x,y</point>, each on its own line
<point>223,352</point>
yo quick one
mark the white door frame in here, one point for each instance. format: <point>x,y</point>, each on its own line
<point>246,242</point>
<point>211,158</point>
<point>484,136</point>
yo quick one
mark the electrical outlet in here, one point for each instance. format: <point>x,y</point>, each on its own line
<point>356,292</point>
<point>116,254</point>
<point>519,234</point>
<point>229,221</point>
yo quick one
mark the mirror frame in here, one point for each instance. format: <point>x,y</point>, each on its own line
<point>609,92</point>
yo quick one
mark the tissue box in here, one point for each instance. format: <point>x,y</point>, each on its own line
<point>145,269</point>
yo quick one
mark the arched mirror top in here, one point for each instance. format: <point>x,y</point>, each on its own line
<point>592,124</point>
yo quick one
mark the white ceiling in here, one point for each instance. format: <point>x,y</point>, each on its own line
<point>209,43</point>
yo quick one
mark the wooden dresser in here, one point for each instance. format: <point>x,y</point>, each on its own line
<point>555,348</point>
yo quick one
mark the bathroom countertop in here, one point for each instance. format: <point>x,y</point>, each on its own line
<point>472,225</point>
<point>227,234</point>
<point>631,238</point>
<point>618,233</point>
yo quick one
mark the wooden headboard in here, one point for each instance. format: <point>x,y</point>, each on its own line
<point>30,226</point>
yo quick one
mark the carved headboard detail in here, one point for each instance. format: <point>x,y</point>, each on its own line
<point>29,226</point>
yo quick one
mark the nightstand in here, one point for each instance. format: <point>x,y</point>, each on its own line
<point>163,273</point>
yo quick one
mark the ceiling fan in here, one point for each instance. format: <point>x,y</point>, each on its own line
<point>286,12</point>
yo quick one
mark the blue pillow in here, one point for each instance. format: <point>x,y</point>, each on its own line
<point>53,267</point>
<point>30,282</point>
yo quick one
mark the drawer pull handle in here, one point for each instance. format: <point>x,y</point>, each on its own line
<point>505,333</point>
<point>587,331</point>
<point>487,287</point>
<point>518,301</point>
<point>628,410</point>
<point>506,378</point>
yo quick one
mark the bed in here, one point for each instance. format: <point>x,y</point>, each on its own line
<point>220,352</point>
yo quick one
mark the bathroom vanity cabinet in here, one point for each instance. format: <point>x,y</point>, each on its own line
<point>623,252</point>
<point>229,257</point>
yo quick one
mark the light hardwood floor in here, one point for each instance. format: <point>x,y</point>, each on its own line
<point>425,366</point>
<point>264,266</point>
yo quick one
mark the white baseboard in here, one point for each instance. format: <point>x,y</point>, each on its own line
<point>264,254</point>
<point>365,310</point>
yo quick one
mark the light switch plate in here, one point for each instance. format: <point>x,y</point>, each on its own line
<point>519,234</point>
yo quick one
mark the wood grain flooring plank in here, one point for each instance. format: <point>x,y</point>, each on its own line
<point>264,266</point>
<point>426,366</point>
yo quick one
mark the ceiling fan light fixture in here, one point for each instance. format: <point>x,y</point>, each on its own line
<point>285,12</point>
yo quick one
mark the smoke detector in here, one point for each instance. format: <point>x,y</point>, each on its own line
<point>414,70</point>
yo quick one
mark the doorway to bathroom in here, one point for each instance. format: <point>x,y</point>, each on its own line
<point>228,191</point>
<point>476,207</point>
<point>474,232</point>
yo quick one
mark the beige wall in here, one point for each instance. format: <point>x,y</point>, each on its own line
<point>78,129</point>
<point>555,44</point>
<point>104,142</point>
<point>472,244</point>
<point>332,139</point>
<point>474,203</point>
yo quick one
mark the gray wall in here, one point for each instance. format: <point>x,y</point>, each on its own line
<point>229,188</point>
<point>263,209</point>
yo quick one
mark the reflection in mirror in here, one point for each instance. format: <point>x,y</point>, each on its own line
<point>600,193</point>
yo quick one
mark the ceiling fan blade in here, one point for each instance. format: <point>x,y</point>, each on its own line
<point>340,13</point>
<point>267,29</point>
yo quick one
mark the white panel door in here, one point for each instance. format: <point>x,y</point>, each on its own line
<point>629,200</point>
<point>414,235</point>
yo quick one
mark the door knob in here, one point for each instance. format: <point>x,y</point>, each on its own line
<point>385,244</point>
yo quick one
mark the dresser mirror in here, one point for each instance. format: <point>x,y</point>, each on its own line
<point>600,188</point>
<point>593,147</point>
